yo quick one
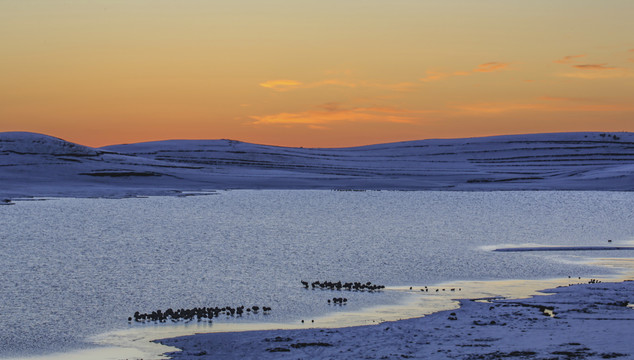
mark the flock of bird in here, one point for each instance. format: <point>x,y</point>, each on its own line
<point>199,313</point>
<point>591,281</point>
<point>329,285</point>
<point>211,312</point>
<point>340,301</point>
<point>426,289</point>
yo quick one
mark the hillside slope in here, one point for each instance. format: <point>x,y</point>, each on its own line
<point>39,165</point>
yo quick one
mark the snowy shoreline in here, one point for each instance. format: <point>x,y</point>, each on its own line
<point>588,320</point>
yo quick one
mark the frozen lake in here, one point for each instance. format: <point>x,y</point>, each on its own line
<point>73,268</point>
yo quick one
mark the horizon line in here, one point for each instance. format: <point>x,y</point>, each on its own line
<point>317,147</point>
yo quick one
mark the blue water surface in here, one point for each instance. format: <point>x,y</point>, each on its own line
<point>72,268</point>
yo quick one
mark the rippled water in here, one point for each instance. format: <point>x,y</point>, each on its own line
<point>71,268</point>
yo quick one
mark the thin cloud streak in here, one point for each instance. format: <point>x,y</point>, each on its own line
<point>324,115</point>
<point>333,112</point>
<point>568,59</point>
<point>594,67</point>
<point>281,85</point>
<point>288,85</point>
<point>436,75</point>
<point>491,67</point>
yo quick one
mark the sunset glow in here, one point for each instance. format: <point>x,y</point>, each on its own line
<point>314,73</point>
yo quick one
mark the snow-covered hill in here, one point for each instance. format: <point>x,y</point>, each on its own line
<point>39,165</point>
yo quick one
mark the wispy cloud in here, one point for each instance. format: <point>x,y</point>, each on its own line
<point>281,85</point>
<point>334,112</point>
<point>594,67</point>
<point>491,67</point>
<point>437,75</point>
<point>568,59</point>
<point>287,85</point>
<point>594,71</point>
<point>591,71</point>
<point>333,82</point>
<point>433,75</point>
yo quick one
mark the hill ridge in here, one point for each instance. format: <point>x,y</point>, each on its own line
<point>34,164</point>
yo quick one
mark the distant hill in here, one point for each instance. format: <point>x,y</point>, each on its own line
<point>39,165</point>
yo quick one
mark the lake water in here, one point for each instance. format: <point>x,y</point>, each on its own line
<point>74,268</point>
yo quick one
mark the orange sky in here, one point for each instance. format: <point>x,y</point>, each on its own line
<point>314,73</point>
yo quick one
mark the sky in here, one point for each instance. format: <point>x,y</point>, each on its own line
<point>327,73</point>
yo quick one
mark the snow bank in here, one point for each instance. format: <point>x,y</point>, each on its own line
<point>565,248</point>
